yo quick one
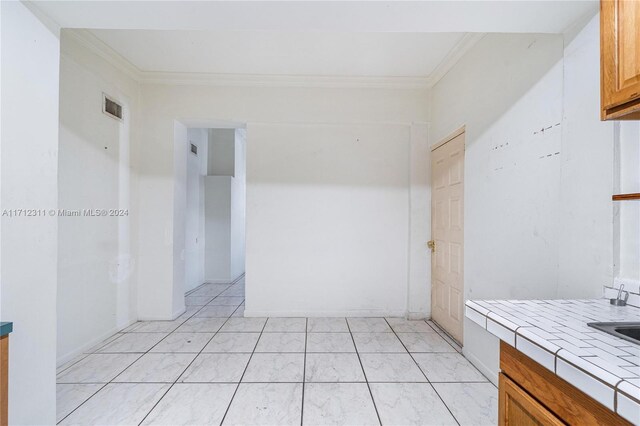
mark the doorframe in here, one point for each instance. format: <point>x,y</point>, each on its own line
<point>448,138</point>
<point>459,131</point>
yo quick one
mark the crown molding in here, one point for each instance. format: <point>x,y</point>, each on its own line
<point>462,46</point>
<point>97,46</point>
<point>262,80</point>
<point>100,48</point>
<point>46,20</point>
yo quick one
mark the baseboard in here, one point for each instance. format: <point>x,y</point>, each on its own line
<point>188,292</point>
<point>311,314</point>
<point>195,289</point>
<point>238,278</point>
<point>174,316</point>
<point>488,372</point>
<point>178,313</point>
<point>216,281</point>
<point>418,315</point>
<point>104,336</point>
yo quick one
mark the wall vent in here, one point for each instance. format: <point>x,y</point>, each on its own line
<point>194,149</point>
<point>112,108</point>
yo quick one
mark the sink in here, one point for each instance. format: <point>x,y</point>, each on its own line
<point>625,330</point>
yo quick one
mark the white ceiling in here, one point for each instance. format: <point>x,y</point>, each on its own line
<point>541,16</point>
<point>305,38</point>
<point>282,53</point>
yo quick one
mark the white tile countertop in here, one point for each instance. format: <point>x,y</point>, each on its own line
<point>555,334</point>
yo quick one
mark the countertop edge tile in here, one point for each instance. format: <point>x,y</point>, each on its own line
<point>477,307</point>
<point>499,330</point>
<point>503,321</point>
<point>629,389</point>
<point>587,383</point>
<point>628,408</point>
<point>476,316</point>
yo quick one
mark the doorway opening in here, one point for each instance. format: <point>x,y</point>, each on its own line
<point>215,209</point>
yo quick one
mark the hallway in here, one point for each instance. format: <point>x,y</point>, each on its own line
<point>212,366</point>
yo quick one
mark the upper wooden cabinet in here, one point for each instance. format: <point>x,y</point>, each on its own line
<point>620,59</point>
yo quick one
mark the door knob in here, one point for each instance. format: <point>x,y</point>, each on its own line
<point>432,245</point>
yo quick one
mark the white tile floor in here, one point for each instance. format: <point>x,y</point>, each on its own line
<point>212,366</point>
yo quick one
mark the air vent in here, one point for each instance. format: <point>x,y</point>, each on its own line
<point>112,108</point>
<point>194,149</point>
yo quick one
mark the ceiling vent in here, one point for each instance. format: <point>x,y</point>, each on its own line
<point>194,149</point>
<point>112,108</point>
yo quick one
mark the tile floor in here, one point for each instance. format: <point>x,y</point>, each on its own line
<point>212,366</point>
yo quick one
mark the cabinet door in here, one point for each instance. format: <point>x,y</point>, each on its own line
<point>620,57</point>
<point>518,408</point>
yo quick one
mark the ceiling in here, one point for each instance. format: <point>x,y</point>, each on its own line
<point>406,39</point>
<point>460,16</point>
<point>282,53</point>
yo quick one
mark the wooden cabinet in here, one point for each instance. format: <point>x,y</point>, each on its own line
<point>518,408</point>
<point>620,59</point>
<point>529,394</point>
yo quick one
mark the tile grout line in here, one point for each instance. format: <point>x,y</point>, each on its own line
<point>425,376</point>
<point>91,396</point>
<point>364,372</point>
<point>86,354</point>
<point>243,373</point>
<point>304,368</point>
<point>435,327</point>
<point>192,361</point>
<point>136,360</point>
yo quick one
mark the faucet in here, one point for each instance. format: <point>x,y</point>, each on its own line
<point>619,301</point>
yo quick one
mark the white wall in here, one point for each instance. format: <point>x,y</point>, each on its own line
<point>238,206</point>
<point>348,111</point>
<point>586,219</point>
<point>180,152</point>
<point>154,167</point>
<point>194,234</point>
<point>505,90</point>
<point>627,213</point>
<point>96,293</point>
<point>419,294</point>
<point>538,213</point>
<point>327,220</point>
<point>29,245</point>
<point>221,155</point>
<point>217,259</point>
<point>513,89</point>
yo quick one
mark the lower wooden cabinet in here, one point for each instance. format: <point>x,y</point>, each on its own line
<point>529,394</point>
<point>518,408</point>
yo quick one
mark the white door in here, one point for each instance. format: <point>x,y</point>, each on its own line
<point>447,235</point>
